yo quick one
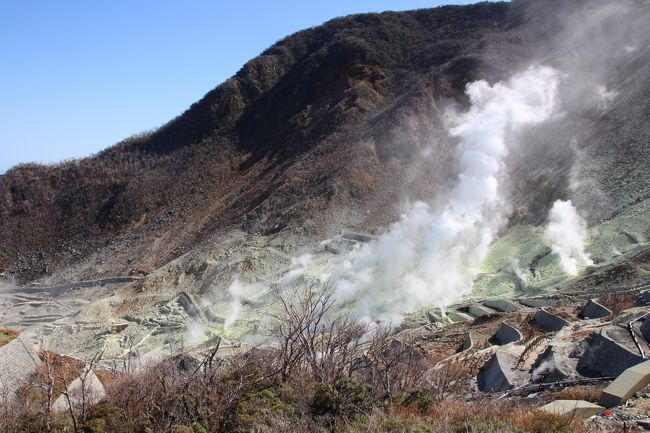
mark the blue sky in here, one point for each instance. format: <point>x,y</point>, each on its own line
<point>78,76</point>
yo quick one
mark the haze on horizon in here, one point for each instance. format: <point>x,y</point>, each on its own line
<point>81,76</point>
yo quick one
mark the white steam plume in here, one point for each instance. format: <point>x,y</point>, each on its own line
<point>521,275</point>
<point>431,258</point>
<point>239,291</point>
<point>195,333</point>
<point>566,232</point>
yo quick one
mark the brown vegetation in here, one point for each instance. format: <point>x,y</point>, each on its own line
<point>618,302</point>
<point>7,334</point>
<point>315,122</point>
<point>326,372</point>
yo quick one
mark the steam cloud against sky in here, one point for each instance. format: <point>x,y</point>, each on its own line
<point>431,257</point>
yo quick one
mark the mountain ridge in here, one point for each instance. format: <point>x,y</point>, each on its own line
<point>70,207</point>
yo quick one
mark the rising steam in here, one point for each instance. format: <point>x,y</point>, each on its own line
<point>239,292</point>
<point>432,257</point>
<point>566,232</point>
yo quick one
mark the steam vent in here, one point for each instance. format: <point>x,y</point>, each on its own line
<point>428,220</point>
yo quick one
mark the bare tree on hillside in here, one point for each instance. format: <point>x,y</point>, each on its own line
<point>312,333</point>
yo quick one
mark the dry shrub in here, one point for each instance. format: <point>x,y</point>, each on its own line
<point>501,416</point>
<point>589,393</point>
<point>450,378</point>
<point>542,422</point>
<point>7,334</point>
<point>618,302</point>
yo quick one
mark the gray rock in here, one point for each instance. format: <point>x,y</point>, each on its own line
<point>18,360</point>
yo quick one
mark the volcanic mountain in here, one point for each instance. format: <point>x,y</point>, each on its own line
<point>333,129</point>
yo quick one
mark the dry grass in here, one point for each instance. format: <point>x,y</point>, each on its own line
<point>6,335</point>
<point>588,393</point>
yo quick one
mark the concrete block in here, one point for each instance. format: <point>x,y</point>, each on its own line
<point>188,305</point>
<point>549,321</point>
<point>457,316</point>
<point>86,389</point>
<point>501,305</point>
<point>643,299</point>
<point>536,302</point>
<point>212,316</point>
<point>499,372</point>
<point>625,385</point>
<point>480,311</point>
<point>645,329</point>
<point>468,343</point>
<point>358,237</point>
<point>549,367</point>
<point>594,310</point>
<point>507,334</point>
<point>573,408</point>
<point>451,316</point>
<point>606,357</point>
<point>434,316</point>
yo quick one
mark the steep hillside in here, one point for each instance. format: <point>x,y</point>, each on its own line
<point>334,128</point>
<point>316,123</point>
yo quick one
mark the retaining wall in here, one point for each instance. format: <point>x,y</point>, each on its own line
<point>549,321</point>
<point>507,334</point>
<point>594,310</point>
<point>605,357</point>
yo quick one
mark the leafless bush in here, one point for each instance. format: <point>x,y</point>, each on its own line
<point>396,364</point>
<point>449,378</point>
<point>311,334</point>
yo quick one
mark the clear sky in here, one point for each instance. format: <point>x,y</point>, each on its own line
<point>78,76</point>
